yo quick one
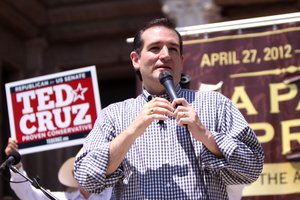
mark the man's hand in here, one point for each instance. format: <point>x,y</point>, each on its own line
<point>11,147</point>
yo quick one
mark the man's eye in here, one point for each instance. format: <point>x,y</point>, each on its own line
<point>174,49</point>
<point>154,48</point>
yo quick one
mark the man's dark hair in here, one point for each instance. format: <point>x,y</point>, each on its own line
<point>138,42</point>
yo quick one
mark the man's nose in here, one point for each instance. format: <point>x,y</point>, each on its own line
<point>164,53</point>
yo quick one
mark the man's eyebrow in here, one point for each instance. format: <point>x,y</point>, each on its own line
<point>155,43</point>
<point>159,42</point>
<point>174,44</point>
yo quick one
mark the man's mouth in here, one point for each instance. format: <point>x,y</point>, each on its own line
<point>164,67</point>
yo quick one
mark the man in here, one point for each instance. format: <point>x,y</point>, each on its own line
<point>151,148</point>
<point>25,191</point>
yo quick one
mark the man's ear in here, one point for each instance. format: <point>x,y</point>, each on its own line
<point>135,59</point>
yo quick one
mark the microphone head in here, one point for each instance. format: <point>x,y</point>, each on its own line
<point>164,76</point>
<point>17,157</point>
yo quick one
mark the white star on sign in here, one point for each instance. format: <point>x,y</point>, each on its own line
<point>79,92</point>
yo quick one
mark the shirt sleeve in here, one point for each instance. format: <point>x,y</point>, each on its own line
<point>24,190</point>
<point>243,154</point>
<point>91,165</point>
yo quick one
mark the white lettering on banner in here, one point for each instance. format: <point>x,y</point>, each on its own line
<point>81,128</point>
<point>33,137</point>
<point>25,98</point>
<point>43,98</point>
<point>57,133</point>
<point>74,77</point>
<point>32,86</point>
<point>81,117</point>
<point>59,91</point>
<point>45,122</point>
<point>54,140</point>
<point>57,139</point>
<point>54,110</point>
<point>67,115</point>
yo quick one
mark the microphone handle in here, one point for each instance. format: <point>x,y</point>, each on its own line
<point>170,89</point>
<point>171,92</point>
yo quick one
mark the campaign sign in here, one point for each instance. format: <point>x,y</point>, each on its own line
<point>53,111</point>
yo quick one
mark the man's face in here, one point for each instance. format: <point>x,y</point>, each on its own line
<point>161,52</point>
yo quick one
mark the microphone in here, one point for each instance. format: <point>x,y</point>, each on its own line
<point>12,159</point>
<point>166,80</point>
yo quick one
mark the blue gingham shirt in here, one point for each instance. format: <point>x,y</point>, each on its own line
<point>166,162</point>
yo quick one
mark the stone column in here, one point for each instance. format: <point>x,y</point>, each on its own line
<point>191,12</point>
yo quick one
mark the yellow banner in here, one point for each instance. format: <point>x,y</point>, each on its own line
<point>276,179</point>
<point>260,71</point>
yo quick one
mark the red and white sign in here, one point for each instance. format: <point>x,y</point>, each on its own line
<point>53,111</point>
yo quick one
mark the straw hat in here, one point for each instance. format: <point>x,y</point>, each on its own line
<point>65,174</point>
